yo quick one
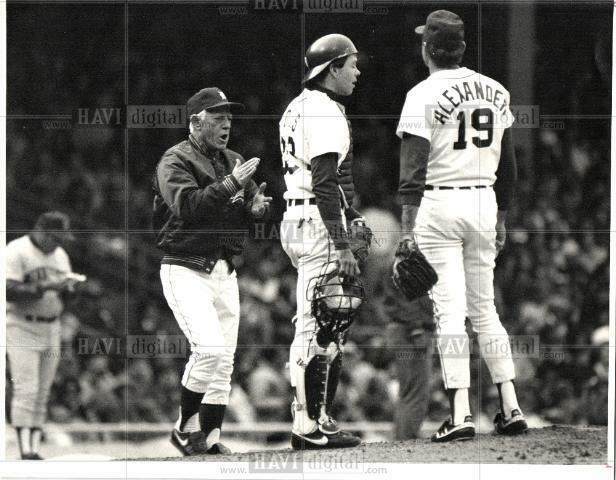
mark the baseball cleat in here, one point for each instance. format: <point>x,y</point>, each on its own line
<point>196,443</point>
<point>512,426</point>
<point>215,447</point>
<point>450,432</point>
<point>318,440</point>
<point>219,449</point>
<point>189,443</point>
<point>328,426</point>
<point>31,456</point>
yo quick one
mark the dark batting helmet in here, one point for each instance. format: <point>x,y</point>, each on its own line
<point>324,51</point>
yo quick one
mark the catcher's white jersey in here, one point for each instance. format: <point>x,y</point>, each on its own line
<point>26,263</point>
<point>463,114</point>
<point>312,125</point>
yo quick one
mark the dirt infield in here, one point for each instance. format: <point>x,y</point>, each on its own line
<point>549,445</point>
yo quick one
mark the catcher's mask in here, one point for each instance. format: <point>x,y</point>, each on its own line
<point>335,302</point>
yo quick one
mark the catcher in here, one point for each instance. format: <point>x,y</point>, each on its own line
<point>326,238</point>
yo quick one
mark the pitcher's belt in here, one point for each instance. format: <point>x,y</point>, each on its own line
<point>40,319</point>
<point>444,187</point>
<point>301,201</point>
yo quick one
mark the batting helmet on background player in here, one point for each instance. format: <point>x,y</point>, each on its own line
<point>324,51</point>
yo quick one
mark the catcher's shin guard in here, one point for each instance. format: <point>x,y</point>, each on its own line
<point>333,378</point>
<point>315,387</point>
<point>326,423</point>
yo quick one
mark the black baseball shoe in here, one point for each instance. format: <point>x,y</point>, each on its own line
<point>195,443</point>
<point>318,440</point>
<point>216,448</point>
<point>450,432</point>
<point>328,426</point>
<point>515,425</point>
<point>31,456</point>
<point>219,449</point>
<point>189,443</point>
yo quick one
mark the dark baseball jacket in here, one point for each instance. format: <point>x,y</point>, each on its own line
<point>199,216</point>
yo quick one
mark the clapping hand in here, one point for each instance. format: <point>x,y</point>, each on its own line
<point>260,203</point>
<point>244,171</point>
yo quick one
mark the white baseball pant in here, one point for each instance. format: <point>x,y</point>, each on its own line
<point>306,241</point>
<point>34,353</point>
<point>455,229</point>
<point>207,309</point>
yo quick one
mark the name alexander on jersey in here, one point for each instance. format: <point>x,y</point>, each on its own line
<point>465,91</point>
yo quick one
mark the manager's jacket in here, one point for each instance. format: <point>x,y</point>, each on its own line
<point>201,214</point>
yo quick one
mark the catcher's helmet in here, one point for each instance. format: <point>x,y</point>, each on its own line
<point>335,302</point>
<point>324,51</point>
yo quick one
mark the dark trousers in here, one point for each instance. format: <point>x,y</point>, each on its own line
<point>413,357</point>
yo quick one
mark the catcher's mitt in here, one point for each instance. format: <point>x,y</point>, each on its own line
<point>360,239</point>
<point>413,274</point>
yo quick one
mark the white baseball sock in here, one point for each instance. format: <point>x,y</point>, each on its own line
<point>35,439</point>
<point>461,406</point>
<point>509,400</point>
<point>191,425</point>
<point>23,437</point>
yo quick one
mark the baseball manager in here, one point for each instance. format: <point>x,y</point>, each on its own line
<point>204,203</point>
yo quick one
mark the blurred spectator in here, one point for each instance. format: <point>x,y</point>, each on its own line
<point>267,389</point>
<point>99,392</point>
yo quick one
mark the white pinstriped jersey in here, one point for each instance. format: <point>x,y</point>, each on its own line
<point>464,115</point>
<point>312,125</point>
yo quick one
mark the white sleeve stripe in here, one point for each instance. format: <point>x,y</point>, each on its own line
<point>230,186</point>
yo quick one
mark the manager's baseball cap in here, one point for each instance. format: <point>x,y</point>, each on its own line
<point>208,98</point>
<point>443,29</point>
<point>57,224</point>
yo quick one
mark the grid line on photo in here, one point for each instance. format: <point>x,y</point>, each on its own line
<point>126,216</point>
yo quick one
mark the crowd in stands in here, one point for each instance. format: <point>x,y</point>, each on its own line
<point>552,281</point>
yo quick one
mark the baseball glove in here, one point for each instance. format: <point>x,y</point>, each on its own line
<point>360,239</point>
<point>413,274</point>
